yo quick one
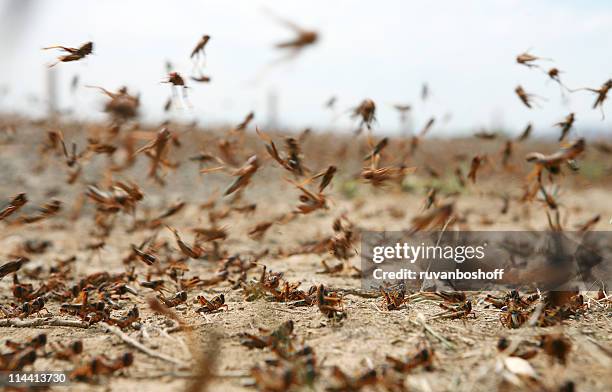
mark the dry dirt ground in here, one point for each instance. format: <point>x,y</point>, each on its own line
<point>465,349</point>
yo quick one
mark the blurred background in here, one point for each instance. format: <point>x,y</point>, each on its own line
<point>464,51</point>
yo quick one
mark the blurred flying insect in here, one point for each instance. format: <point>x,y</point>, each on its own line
<point>526,133</point>
<point>552,163</point>
<point>553,74</point>
<point>528,59</point>
<point>507,153</point>
<point>178,82</point>
<point>367,112</point>
<point>244,175</point>
<point>436,219</point>
<point>326,177</point>
<point>309,201</point>
<point>122,105</point>
<point>525,97</point>
<point>602,94</point>
<point>199,51</point>
<point>293,47</point>
<point>245,123</point>
<point>74,54</point>
<point>47,210</point>
<point>157,150</point>
<point>377,149</point>
<point>256,233</point>
<point>566,125</point>
<point>331,102</point>
<point>10,267</point>
<point>201,79</point>
<point>403,110</point>
<point>476,161</point>
<point>588,225</point>
<point>15,204</point>
<point>304,38</point>
<point>193,252</point>
<point>425,93</point>
<point>416,139</point>
<point>292,162</point>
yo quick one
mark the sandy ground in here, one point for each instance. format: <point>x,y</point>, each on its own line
<point>465,349</point>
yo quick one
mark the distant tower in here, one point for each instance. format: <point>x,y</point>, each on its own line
<point>272,109</point>
<point>52,97</point>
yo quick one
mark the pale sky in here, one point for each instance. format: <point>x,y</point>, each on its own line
<point>383,50</point>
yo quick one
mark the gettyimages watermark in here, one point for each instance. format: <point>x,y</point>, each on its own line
<point>492,260</point>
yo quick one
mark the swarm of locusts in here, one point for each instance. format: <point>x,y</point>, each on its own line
<point>184,262</point>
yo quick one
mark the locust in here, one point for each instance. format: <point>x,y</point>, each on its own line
<point>211,234</point>
<point>424,357</point>
<point>200,47</point>
<point>16,361</point>
<point>588,225</point>
<point>14,205</point>
<point>486,135</point>
<point>39,341</point>
<point>416,139</point>
<point>121,104</point>
<point>259,230</point>
<point>282,336</point>
<point>435,219</point>
<point>157,151</point>
<point>528,59</point>
<point>309,201</point>
<point>200,79</point>
<point>366,111</point>
<point>553,162</point>
<point>175,300</point>
<point>556,346</point>
<point>602,94</point>
<point>122,196</point>
<point>526,133</point>
<point>326,177</point>
<point>346,383</point>
<point>553,74</point>
<point>46,211</point>
<point>456,310</point>
<point>292,162</point>
<point>507,153</point>
<point>193,252</point>
<point>155,285</point>
<point>244,174</point>
<point>11,267</point>
<point>245,123</point>
<point>34,306</point>
<point>403,110</point>
<point>132,316</point>
<point>100,366</point>
<point>215,304</point>
<point>377,149</point>
<point>566,125</point>
<point>74,54</point>
<point>393,299</point>
<point>145,257</point>
<point>303,38</point>
<point>170,211</point>
<point>476,161</point>
<point>525,98</point>
<point>177,83</point>
<point>330,304</point>
<point>67,352</point>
